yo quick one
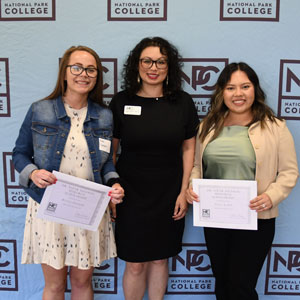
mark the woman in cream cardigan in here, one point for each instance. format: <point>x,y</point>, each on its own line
<point>241,139</point>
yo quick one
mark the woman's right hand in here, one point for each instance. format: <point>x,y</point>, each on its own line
<point>191,196</point>
<point>42,178</point>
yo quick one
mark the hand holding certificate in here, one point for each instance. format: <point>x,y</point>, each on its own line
<point>225,203</point>
<point>74,201</point>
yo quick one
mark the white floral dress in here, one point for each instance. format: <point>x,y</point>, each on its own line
<point>60,245</point>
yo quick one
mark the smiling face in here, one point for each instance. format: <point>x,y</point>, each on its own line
<point>239,94</point>
<point>80,84</point>
<point>153,76</point>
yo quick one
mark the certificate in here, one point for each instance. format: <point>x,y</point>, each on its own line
<point>74,201</point>
<point>224,203</point>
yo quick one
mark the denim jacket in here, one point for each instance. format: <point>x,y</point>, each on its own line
<point>43,135</point>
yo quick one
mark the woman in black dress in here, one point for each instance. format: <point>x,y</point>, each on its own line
<point>155,122</point>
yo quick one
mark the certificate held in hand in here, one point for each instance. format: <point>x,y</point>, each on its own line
<point>225,203</point>
<point>74,201</point>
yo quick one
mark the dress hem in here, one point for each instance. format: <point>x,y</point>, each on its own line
<point>67,265</point>
<point>148,260</point>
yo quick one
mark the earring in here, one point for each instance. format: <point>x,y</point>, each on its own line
<point>167,80</point>
<point>139,79</point>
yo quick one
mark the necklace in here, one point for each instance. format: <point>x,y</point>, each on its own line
<point>144,94</point>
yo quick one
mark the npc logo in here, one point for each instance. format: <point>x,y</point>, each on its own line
<point>105,278</point>
<point>14,194</point>
<point>110,78</point>
<point>8,265</point>
<point>199,79</point>
<point>283,270</point>
<point>289,90</point>
<point>137,10</point>
<point>4,88</point>
<point>190,272</point>
<point>27,10</point>
<point>250,10</point>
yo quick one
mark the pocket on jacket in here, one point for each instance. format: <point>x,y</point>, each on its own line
<point>102,134</point>
<point>43,135</point>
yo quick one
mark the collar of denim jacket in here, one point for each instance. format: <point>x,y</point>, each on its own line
<point>60,108</point>
<point>94,110</point>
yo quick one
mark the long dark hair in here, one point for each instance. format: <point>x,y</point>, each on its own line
<point>215,118</point>
<point>131,66</point>
<point>96,94</point>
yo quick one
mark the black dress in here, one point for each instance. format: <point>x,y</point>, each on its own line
<point>151,131</point>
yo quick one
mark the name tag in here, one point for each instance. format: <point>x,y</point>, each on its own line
<point>132,110</point>
<point>104,145</point>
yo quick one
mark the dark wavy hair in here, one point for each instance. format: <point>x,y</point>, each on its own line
<point>215,118</point>
<point>131,66</point>
<point>96,94</point>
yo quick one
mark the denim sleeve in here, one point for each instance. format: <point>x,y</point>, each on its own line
<point>108,170</point>
<point>23,151</point>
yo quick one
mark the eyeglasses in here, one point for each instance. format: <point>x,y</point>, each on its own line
<point>77,70</point>
<point>147,63</point>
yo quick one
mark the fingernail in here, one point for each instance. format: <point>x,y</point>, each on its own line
<point>109,193</point>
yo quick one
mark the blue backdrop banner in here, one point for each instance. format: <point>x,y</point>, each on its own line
<point>209,34</point>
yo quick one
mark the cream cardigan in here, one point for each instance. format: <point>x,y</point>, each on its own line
<point>276,162</point>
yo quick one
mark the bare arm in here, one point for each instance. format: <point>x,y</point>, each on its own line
<point>112,204</point>
<point>188,151</point>
<point>115,146</point>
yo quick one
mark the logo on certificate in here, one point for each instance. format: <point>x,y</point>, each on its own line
<point>190,272</point>
<point>105,278</point>
<point>27,10</point>
<point>8,265</point>
<point>4,88</point>
<point>289,90</point>
<point>136,10</point>
<point>14,194</point>
<point>51,207</point>
<point>199,79</point>
<point>250,10</point>
<point>206,213</point>
<point>282,272</point>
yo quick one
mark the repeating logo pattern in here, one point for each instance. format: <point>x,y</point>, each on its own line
<point>190,272</point>
<point>105,278</point>
<point>4,88</point>
<point>14,194</point>
<point>199,79</point>
<point>27,10</point>
<point>137,10</point>
<point>283,270</point>
<point>110,74</point>
<point>249,10</point>
<point>8,265</point>
<point>289,90</point>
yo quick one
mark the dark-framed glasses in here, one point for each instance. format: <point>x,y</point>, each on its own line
<point>77,70</point>
<point>160,63</point>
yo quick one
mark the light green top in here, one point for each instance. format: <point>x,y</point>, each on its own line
<point>230,155</point>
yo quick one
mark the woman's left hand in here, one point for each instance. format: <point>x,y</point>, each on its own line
<point>261,203</point>
<point>116,194</point>
<point>181,207</point>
